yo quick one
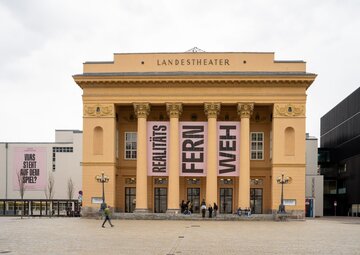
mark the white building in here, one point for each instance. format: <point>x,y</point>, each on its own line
<point>35,162</point>
<point>314,181</point>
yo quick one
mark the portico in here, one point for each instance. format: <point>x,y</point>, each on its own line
<point>167,133</point>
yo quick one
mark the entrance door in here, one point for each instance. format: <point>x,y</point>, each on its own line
<point>130,202</point>
<point>193,195</point>
<point>256,197</point>
<point>160,200</point>
<point>226,197</point>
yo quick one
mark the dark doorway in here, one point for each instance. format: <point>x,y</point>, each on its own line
<point>130,196</point>
<point>160,200</point>
<point>226,197</point>
<point>193,195</point>
<point>256,197</point>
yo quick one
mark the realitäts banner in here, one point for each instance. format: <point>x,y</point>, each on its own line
<point>158,148</point>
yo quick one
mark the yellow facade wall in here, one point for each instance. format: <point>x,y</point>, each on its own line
<point>276,89</point>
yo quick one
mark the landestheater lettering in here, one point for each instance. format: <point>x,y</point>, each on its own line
<point>193,62</point>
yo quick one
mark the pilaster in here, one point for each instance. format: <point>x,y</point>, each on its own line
<point>244,111</point>
<point>212,110</point>
<point>142,110</point>
<point>174,111</point>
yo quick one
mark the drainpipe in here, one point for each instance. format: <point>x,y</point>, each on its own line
<point>6,169</point>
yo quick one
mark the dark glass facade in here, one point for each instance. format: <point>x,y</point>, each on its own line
<point>339,156</point>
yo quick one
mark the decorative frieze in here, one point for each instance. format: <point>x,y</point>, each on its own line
<point>260,117</point>
<point>245,110</point>
<point>99,110</point>
<point>142,110</point>
<point>289,110</point>
<point>174,110</point>
<point>212,110</point>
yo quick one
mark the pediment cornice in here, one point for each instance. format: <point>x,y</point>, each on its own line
<point>262,82</point>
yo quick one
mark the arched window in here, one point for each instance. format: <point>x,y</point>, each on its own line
<point>98,141</point>
<point>289,141</point>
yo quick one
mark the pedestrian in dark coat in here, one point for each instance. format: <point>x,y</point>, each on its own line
<point>107,216</point>
<point>210,211</point>
<point>215,209</point>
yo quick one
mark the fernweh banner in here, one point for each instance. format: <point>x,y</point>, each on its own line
<point>193,148</point>
<point>228,148</point>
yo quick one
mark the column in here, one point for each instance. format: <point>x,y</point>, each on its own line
<point>174,111</point>
<point>244,110</point>
<point>212,111</point>
<point>142,111</point>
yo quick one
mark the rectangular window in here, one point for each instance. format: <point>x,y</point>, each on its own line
<point>257,145</point>
<point>130,145</point>
<point>330,187</point>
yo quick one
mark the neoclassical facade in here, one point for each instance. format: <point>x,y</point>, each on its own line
<point>219,127</point>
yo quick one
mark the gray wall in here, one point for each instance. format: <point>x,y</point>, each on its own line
<point>314,182</point>
<point>67,166</point>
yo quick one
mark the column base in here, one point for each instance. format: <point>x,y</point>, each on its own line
<point>141,210</point>
<point>173,211</point>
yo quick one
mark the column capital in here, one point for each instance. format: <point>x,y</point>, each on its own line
<point>174,110</point>
<point>212,110</point>
<point>142,110</point>
<point>245,109</point>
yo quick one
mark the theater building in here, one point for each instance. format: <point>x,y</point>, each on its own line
<point>167,127</point>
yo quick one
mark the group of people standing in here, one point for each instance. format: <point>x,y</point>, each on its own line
<point>187,208</point>
<point>246,211</point>
<point>209,208</point>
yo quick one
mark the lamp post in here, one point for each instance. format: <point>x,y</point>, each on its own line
<point>282,180</point>
<point>102,179</point>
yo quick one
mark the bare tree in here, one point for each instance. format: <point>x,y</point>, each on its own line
<point>70,189</point>
<point>22,189</point>
<point>49,190</point>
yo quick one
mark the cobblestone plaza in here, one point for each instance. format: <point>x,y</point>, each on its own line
<point>327,235</point>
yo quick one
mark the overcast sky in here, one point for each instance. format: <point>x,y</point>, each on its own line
<point>43,43</point>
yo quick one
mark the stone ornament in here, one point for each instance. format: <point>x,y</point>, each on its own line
<point>245,110</point>
<point>142,110</point>
<point>260,117</point>
<point>212,110</point>
<point>174,110</point>
<point>99,110</point>
<point>289,110</point>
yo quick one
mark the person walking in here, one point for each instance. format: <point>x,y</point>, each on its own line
<point>107,216</point>
<point>215,209</point>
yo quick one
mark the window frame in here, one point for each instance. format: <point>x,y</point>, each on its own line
<point>131,149</point>
<point>257,144</point>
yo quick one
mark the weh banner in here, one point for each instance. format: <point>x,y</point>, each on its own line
<point>228,148</point>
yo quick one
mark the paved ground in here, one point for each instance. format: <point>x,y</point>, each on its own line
<point>85,236</point>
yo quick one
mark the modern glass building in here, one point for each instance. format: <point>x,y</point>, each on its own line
<point>339,157</point>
